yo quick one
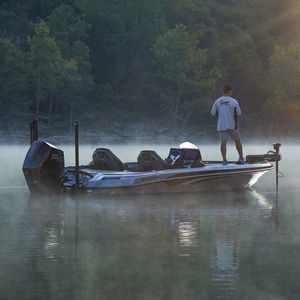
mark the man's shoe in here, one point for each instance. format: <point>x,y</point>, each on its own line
<point>241,161</point>
<point>225,163</point>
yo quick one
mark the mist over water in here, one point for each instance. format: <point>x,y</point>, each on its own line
<point>229,245</point>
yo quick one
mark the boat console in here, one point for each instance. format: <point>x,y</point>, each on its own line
<point>184,158</point>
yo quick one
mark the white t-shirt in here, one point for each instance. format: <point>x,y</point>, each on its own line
<point>225,107</point>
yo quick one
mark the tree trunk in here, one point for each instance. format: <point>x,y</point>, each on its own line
<point>187,118</point>
<point>176,109</point>
<point>50,111</point>
<point>38,92</point>
<point>56,105</point>
<point>71,118</point>
<point>38,97</point>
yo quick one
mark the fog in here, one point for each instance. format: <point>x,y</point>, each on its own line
<point>12,158</point>
<point>183,246</point>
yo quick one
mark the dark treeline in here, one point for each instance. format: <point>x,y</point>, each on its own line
<point>162,62</point>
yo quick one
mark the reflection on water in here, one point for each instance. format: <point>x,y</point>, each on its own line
<point>227,245</point>
<point>54,237</point>
<point>262,201</point>
<point>224,253</point>
<point>187,236</point>
<point>225,258</point>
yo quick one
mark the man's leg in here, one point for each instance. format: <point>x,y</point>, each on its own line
<point>235,135</point>
<point>223,149</point>
<point>239,147</point>
<point>223,139</point>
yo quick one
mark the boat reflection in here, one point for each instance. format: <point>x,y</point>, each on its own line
<point>225,245</point>
<point>54,237</point>
<point>262,201</point>
<point>225,261</point>
<point>188,236</point>
<point>195,232</point>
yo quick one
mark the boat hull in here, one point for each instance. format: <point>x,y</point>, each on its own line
<point>209,178</point>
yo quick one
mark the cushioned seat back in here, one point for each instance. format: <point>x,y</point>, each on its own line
<point>104,159</point>
<point>179,158</point>
<point>149,160</point>
<point>192,158</point>
<point>191,154</point>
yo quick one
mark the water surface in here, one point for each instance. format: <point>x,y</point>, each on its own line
<point>228,245</point>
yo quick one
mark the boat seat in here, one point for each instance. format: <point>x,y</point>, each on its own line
<point>149,160</point>
<point>184,158</point>
<point>104,159</point>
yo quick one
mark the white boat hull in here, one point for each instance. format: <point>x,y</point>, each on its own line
<point>179,180</point>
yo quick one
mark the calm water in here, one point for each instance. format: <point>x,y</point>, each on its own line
<point>186,246</point>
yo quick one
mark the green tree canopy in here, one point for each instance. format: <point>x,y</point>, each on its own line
<point>13,78</point>
<point>70,31</point>
<point>284,74</point>
<point>182,67</point>
<point>48,70</point>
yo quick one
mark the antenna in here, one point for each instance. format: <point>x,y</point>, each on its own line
<point>76,155</point>
<point>33,131</point>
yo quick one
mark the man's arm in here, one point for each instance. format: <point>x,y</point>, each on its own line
<point>238,110</point>
<point>214,110</point>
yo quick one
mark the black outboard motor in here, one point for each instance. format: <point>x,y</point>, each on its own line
<point>149,160</point>
<point>43,166</point>
<point>104,159</point>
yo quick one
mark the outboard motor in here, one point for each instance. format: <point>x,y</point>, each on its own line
<point>149,160</point>
<point>104,159</point>
<point>43,166</point>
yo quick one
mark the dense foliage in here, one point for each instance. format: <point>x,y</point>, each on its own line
<point>158,61</point>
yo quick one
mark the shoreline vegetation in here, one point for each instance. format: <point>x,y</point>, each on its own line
<point>141,68</point>
<point>16,131</point>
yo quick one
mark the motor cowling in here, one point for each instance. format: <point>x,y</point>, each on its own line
<point>43,166</point>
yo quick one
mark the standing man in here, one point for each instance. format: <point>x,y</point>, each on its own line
<point>227,110</point>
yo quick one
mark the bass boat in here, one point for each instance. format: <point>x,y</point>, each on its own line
<point>183,170</point>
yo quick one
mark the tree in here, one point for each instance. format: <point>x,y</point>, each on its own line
<point>49,71</point>
<point>13,78</point>
<point>70,30</point>
<point>284,76</point>
<point>182,69</point>
<point>120,42</point>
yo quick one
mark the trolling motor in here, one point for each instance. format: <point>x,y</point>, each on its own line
<point>271,156</point>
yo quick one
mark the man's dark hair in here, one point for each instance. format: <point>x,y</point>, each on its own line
<point>227,88</point>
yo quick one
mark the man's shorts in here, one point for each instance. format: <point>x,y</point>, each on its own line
<point>233,134</point>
